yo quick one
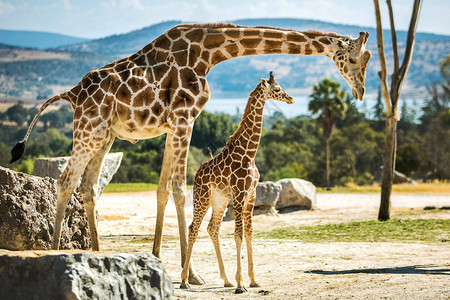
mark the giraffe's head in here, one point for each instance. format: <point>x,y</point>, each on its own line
<point>272,90</point>
<point>351,58</point>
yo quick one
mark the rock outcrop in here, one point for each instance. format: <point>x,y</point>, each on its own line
<point>397,179</point>
<point>56,275</point>
<point>27,214</point>
<point>54,166</point>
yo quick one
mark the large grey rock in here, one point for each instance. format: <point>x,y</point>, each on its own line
<point>54,166</point>
<point>267,194</point>
<point>296,193</point>
<point>398,177</point>
<point>56,275</point>
<point>27,214</point>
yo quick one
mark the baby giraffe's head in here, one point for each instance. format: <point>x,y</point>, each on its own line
<point>272,90</point>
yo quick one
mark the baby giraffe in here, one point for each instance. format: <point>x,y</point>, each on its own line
<point>233,174</point>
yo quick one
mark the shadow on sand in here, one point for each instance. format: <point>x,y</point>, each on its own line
<point>415,269</point>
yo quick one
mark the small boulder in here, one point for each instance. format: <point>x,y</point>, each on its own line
<point>57,275</point>
<point>27,214</point>
<point>296,193</point>
<point>267,194</point>
<point>54,166</point>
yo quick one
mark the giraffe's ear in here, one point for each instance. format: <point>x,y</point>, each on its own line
<point>339,44</point>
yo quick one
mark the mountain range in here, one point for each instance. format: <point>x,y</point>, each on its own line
<point>31,73</point>
<point>37,39</point>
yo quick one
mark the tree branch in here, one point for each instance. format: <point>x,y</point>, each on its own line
<point>394,36</point>
<point>410,39</point>
<point>382,73</point>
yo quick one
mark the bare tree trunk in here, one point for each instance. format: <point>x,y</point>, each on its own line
<point>327,169</point>
<point>388,169</point>
<point>391,97</point>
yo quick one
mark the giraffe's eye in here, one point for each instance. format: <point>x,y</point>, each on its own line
<point>276,90</point>
<point>352,60</point>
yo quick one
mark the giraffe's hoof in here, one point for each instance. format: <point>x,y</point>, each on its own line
<point>228,284</point>
<point>196,280</point>
<point>254,284</point>
<point>240,290</point>
<point>185,286</point>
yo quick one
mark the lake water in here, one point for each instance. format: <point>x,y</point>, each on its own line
<point>230,105</point>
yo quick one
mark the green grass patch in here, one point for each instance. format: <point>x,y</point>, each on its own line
<point>429,230</point>
<point>420,188</point>
<point>149,239</point>
<point>130,187</point>
<point>134,187</point>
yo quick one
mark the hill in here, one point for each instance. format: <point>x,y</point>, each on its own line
<point>237,76</point>
<point>37,39</point>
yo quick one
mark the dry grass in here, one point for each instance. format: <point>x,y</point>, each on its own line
<point>434,188</point>
<point>113,218</point>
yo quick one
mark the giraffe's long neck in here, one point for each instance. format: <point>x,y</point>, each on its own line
<point>248,133</point>
<point>221,44</point>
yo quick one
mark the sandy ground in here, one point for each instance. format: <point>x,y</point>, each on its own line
<point>292,269</point>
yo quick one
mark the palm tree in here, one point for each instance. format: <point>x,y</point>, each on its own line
<point>329,101</point>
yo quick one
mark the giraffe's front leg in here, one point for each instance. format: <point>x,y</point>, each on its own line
<point>201,205</point>
<point>181,141</point>
<point>238,235</point>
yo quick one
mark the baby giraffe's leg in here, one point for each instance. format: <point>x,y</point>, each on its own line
<point>248,233</point>
<point>213,230</point>
<point>201,205</point>
<point>238,232</point>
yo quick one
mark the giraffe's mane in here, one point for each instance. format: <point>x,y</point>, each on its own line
<point>231,25</point>
<point>239,130</point>
<point>210,25</point>
<point>317,32</point>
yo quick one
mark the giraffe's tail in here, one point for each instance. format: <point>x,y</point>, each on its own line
<point>19,149</point>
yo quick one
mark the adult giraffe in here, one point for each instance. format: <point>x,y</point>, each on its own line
<point>162,89</point>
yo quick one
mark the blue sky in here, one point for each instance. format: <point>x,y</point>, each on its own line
<point>99,18</point>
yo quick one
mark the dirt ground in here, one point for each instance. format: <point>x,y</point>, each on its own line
<point>293,269</point>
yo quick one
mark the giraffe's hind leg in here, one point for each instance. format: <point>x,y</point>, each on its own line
<point>248,234</point>
<point>88,189</point>
<point>163,192</point>
<point>81,155</point>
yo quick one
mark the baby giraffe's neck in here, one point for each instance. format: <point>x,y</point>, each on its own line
<point>249,130</point>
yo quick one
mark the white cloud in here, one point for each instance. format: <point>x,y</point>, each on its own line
<point>6,8</point>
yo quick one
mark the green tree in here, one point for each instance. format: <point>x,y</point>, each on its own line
<point>212,131</point>
<point>328,101</point>
<point>434,126</point>
<point>17,113</point>
<point>378,109</point>
<point>357,153</point>
<point>58,118</point>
